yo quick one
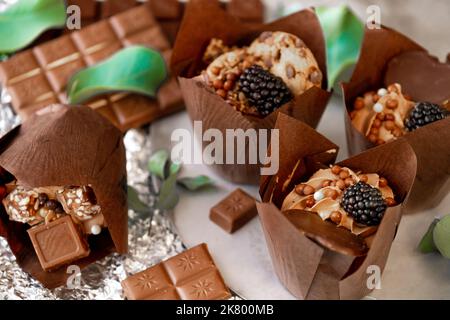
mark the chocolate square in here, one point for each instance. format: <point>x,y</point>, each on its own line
<point>152,38</point>
<point>169,95</point>
<point>103,53</point>
<point>132,21</point>
<point>95,35</point>
<point>21,64</point>
<point>166,9</point>
<point>208,286</point>
<point>186,264</point>
<point>31,108</point>
<point>54,50</point>
<point>112,7</point>
<point>147,283</point>
<point>60,76</point>
<point>234,211</point>
<point>30,91</point>
<point>58,243</point>
<point>191,275</point>
<point>133,109</point>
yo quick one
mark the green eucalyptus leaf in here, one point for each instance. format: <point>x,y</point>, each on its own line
<point>427,245</point>
<point>135,69</point>
<point>168,196</point>
<point>174,168</point>
<point>25,20</point>
<point>158,163</point>
<point>343,35</point>
<point>441,236</point>
<point>195,183</point>
<point>134,203</point>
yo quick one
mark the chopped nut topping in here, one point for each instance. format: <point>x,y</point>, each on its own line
<point>79,201</point>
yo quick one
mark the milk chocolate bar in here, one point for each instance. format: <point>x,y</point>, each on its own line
<point>38,77</point>
<point>233,212</point>
<point>58,243</point>
<point>168,13</point>
<point>191,275</point>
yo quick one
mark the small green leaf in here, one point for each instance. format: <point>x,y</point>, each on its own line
<point>174,168</point>
<point>426,245</point>
<point>158,163</point>
<point>195,183</point>
<point>343,35</point>
<point>134,69</point>
<point>168,196</point>
<point>25,20</point>
<point>441,236</point>
<point>134,203</point>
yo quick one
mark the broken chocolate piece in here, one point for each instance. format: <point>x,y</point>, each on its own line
<point>233,212</point>
<point>191,275</point>
<point>58,243</point>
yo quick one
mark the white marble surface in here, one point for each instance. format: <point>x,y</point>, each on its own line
<point>243,257</point>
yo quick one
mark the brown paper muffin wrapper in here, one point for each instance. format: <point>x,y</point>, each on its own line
<point>67,146</point>
<point>204,20</point>
<point>306,268</point>
<point>431,143</point>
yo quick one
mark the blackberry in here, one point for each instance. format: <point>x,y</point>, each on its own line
<point>263,90</point>
<point>422,114</point>
<point>364,203</point>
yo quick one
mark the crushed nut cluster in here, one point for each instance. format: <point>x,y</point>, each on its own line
<point>22,205</point>
<point>32,206</point>
<point>79,201</point>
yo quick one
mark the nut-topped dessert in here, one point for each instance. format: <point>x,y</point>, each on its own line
<point>388,113</point>
<point>43,207</point>
<point>352,200</point>
<point>258,79</point>
<point>63,191</point>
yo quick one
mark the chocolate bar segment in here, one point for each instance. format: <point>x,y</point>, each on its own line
<point>58,243</point>
<point>191,275</point>
<point>168,13</point>
<point>39,76</point>
<point>233,212</point>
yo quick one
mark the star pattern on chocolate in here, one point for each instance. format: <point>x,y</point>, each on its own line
<point>202,288</point>
<point>234,204</point>
<point>146,281</point>
<point>188,262</point>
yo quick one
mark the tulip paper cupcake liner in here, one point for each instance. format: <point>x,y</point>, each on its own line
<point>64,192</point>
<point>211,43</point>
<point>313,255</point>
<point>399,91</point>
